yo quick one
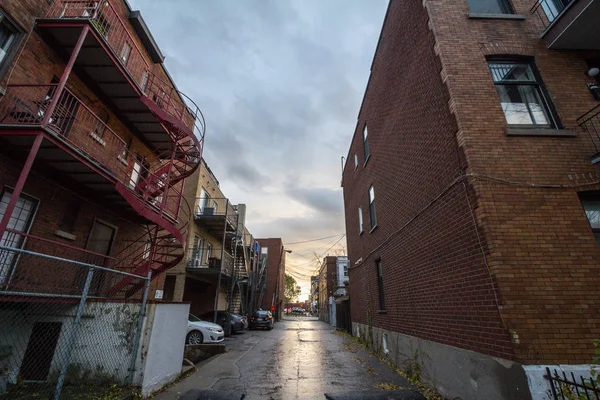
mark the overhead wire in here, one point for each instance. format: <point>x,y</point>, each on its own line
<point>315,240</point>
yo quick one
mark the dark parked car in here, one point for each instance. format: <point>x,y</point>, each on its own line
<point>261,319</point>
<point>238,323</point>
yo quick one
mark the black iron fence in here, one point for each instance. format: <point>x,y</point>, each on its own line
<point>565,387</point>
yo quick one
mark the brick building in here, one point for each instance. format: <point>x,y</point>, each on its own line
<point>95,143</point>
<point>328,280</point>
<point>218,244</point>
<point>272,296</point>
<point>472,195</point>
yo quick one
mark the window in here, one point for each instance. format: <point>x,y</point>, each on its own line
<point>147,247</point>
<point>490,6</point>
<point>360,220</point>
<point>366,143</point>
<point>345,270</point>
<point>100,127</point>
<point>521,94</point>
<point>355,160</point>
<point>372,207</point>
<point>20,221</point>
<point>196,259</point>
<point>591,206</point>
<point>380,285</point>
<point>125,52</point>
<point>10,36</point>
<point>208,252</point>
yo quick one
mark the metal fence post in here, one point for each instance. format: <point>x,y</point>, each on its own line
<point>140,326</point>
<point>73,337</point>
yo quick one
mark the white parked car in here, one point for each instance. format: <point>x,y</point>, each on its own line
<point>199,331</point>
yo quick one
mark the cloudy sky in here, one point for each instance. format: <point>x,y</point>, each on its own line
<point>280,84</point>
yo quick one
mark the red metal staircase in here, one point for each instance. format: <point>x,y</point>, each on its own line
<point>183,121</point>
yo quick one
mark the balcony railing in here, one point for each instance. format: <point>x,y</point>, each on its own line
<point>215,207</point>
<point>590,122</point>
<point>549,10</point>
<point>209,259</point>
<point>76,124</point>
<point>109,25</point>
<point>38,266</point>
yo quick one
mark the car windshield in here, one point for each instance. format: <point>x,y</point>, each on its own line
<point>193,318</point>
<point>262,313</point>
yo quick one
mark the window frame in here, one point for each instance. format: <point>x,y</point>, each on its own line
<point>360,221</point>
<point>538,84</point>
<point>18,33</point>
<point>372,210</point>
<point>506,4</point>
<point>366,149</point>
<point>587,199</point>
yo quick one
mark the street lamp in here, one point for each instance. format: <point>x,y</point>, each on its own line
<point>276,294</point>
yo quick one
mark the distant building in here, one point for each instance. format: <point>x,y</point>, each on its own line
<point>327,285</point>
<point>271,295</point>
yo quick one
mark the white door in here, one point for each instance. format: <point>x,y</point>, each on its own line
<point>20,221</point>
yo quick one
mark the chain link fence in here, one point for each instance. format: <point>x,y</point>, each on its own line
<point>71,327</point>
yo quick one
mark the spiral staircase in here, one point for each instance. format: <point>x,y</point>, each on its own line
<point>184,123</point>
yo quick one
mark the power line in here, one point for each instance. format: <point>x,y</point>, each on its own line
<point>316,240</point>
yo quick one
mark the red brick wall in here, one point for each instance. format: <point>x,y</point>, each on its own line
<point>274,245</point>
<point>54,202</point>
<point>436,283</point>
<point>541,249</point>
<point>37,63</point>
<point>434,114</point>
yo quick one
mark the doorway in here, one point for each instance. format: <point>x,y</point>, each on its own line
<point>100,241</point>
<point>40,351</point>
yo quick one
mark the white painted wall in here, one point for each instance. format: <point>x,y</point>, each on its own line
<point>341,263</point>
<point>539,386</point>
<point>164,343</point>
<point>103,347</point>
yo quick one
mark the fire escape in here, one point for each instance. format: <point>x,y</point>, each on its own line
<point>53,126</point>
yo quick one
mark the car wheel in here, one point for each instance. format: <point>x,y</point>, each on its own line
<point>194,337</point>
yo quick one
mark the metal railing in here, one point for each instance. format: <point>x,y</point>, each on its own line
<point>549,10</point>
<point>109,25</point>
<point>209,259</point>
<point>76,124</point>
<point>103,16</point>
<point>569,387</point>
<point>590,122</point>
<point>63,334</point>
<point>215,207</point>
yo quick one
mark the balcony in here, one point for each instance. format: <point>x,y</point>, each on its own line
<point>590,122</point>
<point>82,150</point>
<point>216,215</point>
<point>569,24</point>
<point>33,268</point>
<point>113,66</point>
<point>208,261</point>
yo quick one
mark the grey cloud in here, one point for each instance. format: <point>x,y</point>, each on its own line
<point>319,199</point>
<point>280,84</point>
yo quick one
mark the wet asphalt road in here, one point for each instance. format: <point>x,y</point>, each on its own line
<point>299,359</point>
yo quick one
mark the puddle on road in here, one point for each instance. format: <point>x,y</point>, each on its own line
<point>308,336</point>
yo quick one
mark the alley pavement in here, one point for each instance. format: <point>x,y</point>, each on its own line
<point>301,358</point>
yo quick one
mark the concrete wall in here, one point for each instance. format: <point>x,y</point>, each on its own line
<point>164,343</point>
<point>103,348</point>
<point>463,374</point>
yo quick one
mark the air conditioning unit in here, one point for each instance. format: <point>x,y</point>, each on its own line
<point>208,211</point>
